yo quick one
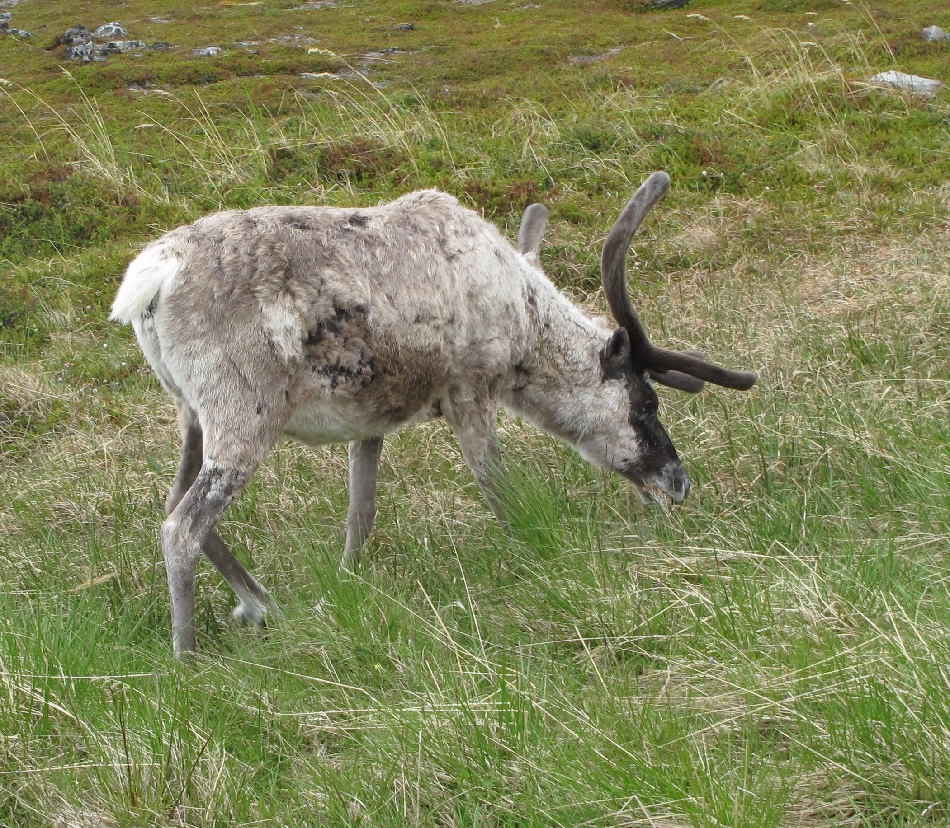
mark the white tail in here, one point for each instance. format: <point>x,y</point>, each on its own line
<point>154,268</point>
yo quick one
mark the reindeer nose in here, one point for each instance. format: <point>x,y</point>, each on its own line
<point>680,485</point>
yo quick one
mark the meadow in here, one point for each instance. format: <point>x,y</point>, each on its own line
<point>773,652</point>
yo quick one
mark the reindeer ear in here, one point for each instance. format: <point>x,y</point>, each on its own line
<point>616,353</point>
<point>532,229</point>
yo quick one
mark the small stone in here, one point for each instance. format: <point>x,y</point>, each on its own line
<point>110,31</point>
<point>207,51</point>
<point>932,34</point>
<point>6,29</point>
<point>118,47</point>
<point>405,27</point>
<point>912,83</point>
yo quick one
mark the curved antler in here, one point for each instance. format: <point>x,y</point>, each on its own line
<point>665,366</point>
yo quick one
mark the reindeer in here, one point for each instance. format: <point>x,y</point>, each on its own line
<point>337,325</point>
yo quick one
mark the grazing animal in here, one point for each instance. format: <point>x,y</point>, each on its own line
<point>341,325</point>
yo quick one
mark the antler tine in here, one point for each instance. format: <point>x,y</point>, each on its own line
<point>677,370</point>
<point>662,360</point>
<point>679,381</point>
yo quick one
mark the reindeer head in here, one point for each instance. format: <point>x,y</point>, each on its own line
<point>640,448</point>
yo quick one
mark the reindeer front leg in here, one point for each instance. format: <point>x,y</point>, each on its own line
<point>473,417</point>
<point>361,512</point>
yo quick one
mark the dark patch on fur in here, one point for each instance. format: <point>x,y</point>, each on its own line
<point>292,220</point>
<point>657,448</point>
<point>213,485</point>
<point>149,311</point>
<point>405,380</point>
<point>337,349</point>
<point>389,380</point>
<point>522,376</point>
<point>213,474</point>
<point>335,325</point>
<point>358,220</point>
<point>338,375</point>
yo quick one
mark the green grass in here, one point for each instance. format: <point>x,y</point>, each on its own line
<point>772,653</point>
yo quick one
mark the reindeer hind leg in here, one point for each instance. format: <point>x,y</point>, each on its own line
<point>200,494</point>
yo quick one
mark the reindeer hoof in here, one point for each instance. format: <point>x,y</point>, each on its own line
<point>250,615</point>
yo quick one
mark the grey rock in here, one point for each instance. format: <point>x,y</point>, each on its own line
<point>912,83</point>
<point>405,27</point>
<point>78,45</point>
<point>932,34</point>
<point>7,29</point>
<point>381,54</point>
<point>84,51</point>
<point>595,58</point>
<point>118,47</point>
<point>660,5</point>
<point>110,31</point>
<point>75,34</point>
<point>207,51</point>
